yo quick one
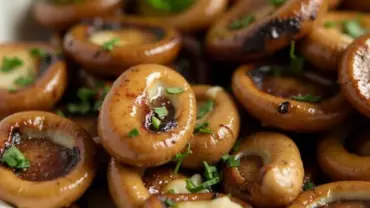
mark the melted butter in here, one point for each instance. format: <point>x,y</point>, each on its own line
<point>221,202</point>
<point>126,37</point>
<point>27,69</point>
<point>179,185</point>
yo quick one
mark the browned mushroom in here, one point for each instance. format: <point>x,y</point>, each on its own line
<point>255,28</point>
<point>32,77</point>
<point>335,195</point>
<point>46,160</point>
<point>61,14</point>
<point>270,172</point>
<point>160,180</point>
<point>148,116</point>
<point>216,109</point>
<point>297,101</point>
<point>359,5</point>
<point>109,46</point>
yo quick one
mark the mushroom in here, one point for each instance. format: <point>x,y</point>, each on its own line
<point>337,194</point>
<point>32,77</point>
<point>148,116</point>
<point>358,5</point>
<point>194,200</point>
<point>216,109</point>
<point>292,100</point>
<point>254,28</point>
<point>61,14</point>
<point>46,160</point>
<point>332,4</point>
<point>194,17</point>
<point>354,74</point>
<point>329,39</point>
<point>338,163</point>
<point>270,172</point>
<point>159,179</point>
<point>109,46</point>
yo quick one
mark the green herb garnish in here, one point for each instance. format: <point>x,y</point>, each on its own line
<point>38,52</point>
<point>8,64</point>
<point>170,5</point>
<point>81,108</point>
<point>14,158</point>
<point>191,187</point>
<point>161,112</point>
<point>134,133</point>
<point>180,157</point>
<point>277,3</point>
<point>308,186</point>
<point>202,128</point>
<point>230,160</point>
<point>23,81</point>
<point>329,24</point>
<point>296,62</point>
<point>109,45</point>
<point>205,108</point>
<point>353,28</point>
<point>169,203</point>
<point>236,146</point>
<point>171,191</point>
<point>60,113</point>
<point>306,98</point>
<point>174,90</point>
<point>242,23</point>
<point>210,171</point>
<point>84,94</point>
<point>156,123</point>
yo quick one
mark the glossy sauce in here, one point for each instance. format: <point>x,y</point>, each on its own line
<point>156,179</point>
<point>348,204</point>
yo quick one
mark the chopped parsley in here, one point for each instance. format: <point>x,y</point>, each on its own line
<point>296,62</point>
<point>180,157</point>
<point>84,94</point>
<point>14,158</point>
<point>156,123</point>
<point>202,128</point>
<point>210,171</point>
<point>170,5</point>
<point>236,146</point>
<point>307,98</point>
<point>231,160</point>
<point>161,112</point>
<point>60,113</point>
<point>171,191</point>
<point>329,24</point>
<point>134,133</point>
<point>23,81</point>
<point>191,187</point>
<point>308,186</point>
<point>205,108</point>
<point>169,203</point>
<point>109,45</point>
<point>277,3</point>
<point>242,23</point>
<point>8,64</point>
<point>38,52</point>
<point>174,90</point>
<point>79,108</point>
<point>353,28</point>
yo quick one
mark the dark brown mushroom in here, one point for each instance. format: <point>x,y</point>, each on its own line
<point>47,160</point>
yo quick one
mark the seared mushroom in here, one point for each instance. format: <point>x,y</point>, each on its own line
<point>195,16</point>
<point>148,116</point>
<point>61,14</point>
<point>335,195</point>
<point>218,112</point>
<point>354,74</point>
<point>157,180</point>
<point>329,39</point>
<point>358,5</point>
<point>332,4</point>
<point>291,100</point>
<point>46,160</point>
<point>32,77</point>
<point>109,46</point>
<point>270,172</point>
<point>194,200</point>
<point>338,163</point>
<point>255,28</point>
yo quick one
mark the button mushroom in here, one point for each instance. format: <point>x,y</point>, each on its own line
<point>328,41</point>
<point>148,116</point>
<point>255,28</point>
<point>109,46</point>
<point>358,5</point>
<point>188,16</point>
<point>46,160</point>
<point>335,195</point>
<point>288,98</point>
<point>32,77</point>
<point>61,14</point>
<point>354,74</point>
<point>159,179</point>
<point>270,172</point>
<point>218,112</point>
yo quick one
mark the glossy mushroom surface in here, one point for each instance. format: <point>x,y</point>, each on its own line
<point>357,5</point>
<point>217,109</point>
<point>159,180</point>
<point>197,17</point>
<point>332,4</point>
<point>306,102</point>
<point>195,200</point>
<point>270,172</point>
<point>354,74</point>
<point>130,107</point>
<point>335,195</point>
<point>109,46</point>
<point>60,157</point>
<point>59,15</point>
<point>329,39</point>
<point>336,161</point>
<point>32,77</point>
<point>253,28</point>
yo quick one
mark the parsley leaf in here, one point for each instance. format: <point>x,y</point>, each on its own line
<point>174,90</point>
<point>231,160</point>
<point>60,113</point>
<point>202,128</point>
<point>242,23</point>
<point>14,158</point>
<point>353,28</point>
<point>169,203</point>
<point>8,64</point>
<point>171,191</point>
<point>134,133</point>
<point>181,156</point>
<point>277,3</point>
<point>38,52</point>
<point>84,94</point>
<point>170,5</point>
<point>109,45</point>
<point>190,186</point>
<point>156,123</point>
<point>296,62</point>
<point>161,112</point>
<point>329,24</point>
<point>205,108</point>
<point>210,171</point>
<point>23,81</point>
<point>307,98</point>
<point>308,186</point>
<point>236,146</point>
<point>80,108</point>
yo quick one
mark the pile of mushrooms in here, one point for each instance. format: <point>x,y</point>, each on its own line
<point>188,104</point>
